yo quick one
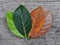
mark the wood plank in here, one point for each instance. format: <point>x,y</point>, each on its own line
<point>51,38</point>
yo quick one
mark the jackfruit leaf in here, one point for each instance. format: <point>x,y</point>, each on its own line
<point>22,20</point>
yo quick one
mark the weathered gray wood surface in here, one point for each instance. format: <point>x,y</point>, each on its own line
<point>51,38</point>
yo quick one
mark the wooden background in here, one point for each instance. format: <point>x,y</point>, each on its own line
<point>51,38</point>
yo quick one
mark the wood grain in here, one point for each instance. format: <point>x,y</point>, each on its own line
<point>51,38</point>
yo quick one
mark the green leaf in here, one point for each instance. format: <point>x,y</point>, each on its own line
<point>10,23</point>
<point>22,20</point>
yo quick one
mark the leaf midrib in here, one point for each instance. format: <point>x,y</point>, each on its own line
<point>23,24</point>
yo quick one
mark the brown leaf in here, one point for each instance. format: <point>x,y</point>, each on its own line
<point>38,18</point>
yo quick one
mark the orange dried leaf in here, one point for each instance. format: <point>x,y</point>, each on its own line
<point>38,18</point>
